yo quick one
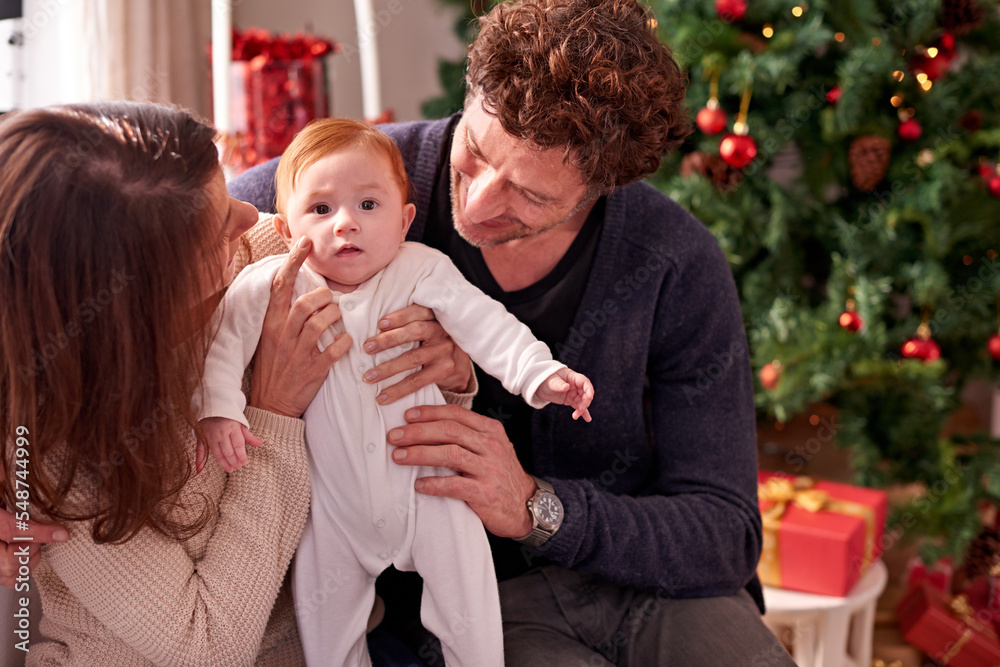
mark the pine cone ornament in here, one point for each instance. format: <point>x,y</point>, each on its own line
<point>869,157</point>
<point>983,553</point>
<point>712,167</point>
<point>961,17</point>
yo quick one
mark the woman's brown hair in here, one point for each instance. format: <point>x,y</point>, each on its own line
<point>106,232</point>
<point>587,76</point>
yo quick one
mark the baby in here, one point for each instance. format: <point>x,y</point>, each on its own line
<point>342,184</point>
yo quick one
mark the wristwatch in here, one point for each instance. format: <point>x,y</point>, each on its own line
<point>546,514</point>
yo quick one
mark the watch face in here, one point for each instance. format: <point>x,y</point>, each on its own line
<point>550,511</point>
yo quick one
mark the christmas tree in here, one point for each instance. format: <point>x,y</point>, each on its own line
<point>846,162</point>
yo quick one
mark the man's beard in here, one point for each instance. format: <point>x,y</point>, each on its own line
<point>517,230</point>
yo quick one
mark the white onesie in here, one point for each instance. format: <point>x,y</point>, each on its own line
<point>365,513</point>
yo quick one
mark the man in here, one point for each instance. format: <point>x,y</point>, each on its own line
<point>636,540</point>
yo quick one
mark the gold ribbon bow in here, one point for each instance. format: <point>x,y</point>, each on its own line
<point>964,612</point>
<point>799,491</point>
<point>879,662</point>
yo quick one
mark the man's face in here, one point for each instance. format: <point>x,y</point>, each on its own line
<point>503,189</point>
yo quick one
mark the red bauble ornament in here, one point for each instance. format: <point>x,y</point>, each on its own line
<point>993,185</point>
<point>986,172</point>
<point>731,10</point>
<point>711,119</point>
<point>738,150</point>
<point>833,95</point>
<point>910,130</point>
<point>993,345</point>
<point>924,350</point>
<point>770,375</point>
<point>851,321</point>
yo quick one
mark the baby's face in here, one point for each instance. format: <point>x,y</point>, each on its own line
<point>351,208</point>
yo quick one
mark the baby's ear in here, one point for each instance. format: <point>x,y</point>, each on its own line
<point>281,226</point>
<point>409,212</point>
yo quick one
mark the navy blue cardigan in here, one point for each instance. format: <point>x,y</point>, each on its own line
<point>660,489</point>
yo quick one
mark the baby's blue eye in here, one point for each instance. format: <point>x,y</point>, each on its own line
<point>321,209</point>
<point>368,205</point>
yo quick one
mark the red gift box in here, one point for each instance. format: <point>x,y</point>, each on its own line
<point>983,595</point>
<point>939,575</point>
<point>947,629</point>
<point>819,537</point>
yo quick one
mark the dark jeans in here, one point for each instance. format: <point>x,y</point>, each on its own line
<point>387,651</point>
<point>556,617</point>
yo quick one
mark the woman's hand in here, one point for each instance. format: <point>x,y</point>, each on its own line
<point>443,363</point>
<point>489,477</point>
<point>12,553</point>
<point>289,367</point>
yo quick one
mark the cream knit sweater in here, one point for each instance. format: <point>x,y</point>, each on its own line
<point>219,598</point>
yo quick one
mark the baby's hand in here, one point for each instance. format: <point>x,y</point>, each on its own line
<point>567,387</point>
<point>227,438</point>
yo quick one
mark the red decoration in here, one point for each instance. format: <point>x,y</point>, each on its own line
<point>851,321</point>
<point>824,538</point>
<point>910,130</point>
<point>994,185</point>
<point>935,66</point>
<point>993,345</point>
<point>387,116</point>
<point>738,150</point>
<point>279,84</point>
<point>924,350</point>
<point>947,629</point>
<point>731,10</point>
<point>254,42</point>
<point>986,171</point>
<point>833,95</point>
<point>770,375</point>
<point>711,119</point>
<point>938,576</point>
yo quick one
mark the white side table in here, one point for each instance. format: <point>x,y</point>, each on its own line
<point>828,631</point>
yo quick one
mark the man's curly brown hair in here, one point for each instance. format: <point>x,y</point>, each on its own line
<point>588,76</point>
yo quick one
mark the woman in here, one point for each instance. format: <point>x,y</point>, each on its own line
<point>116,236</point>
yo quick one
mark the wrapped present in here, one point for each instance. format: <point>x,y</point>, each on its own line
<point>947,629</point>
<point>983,596</point>
<point>819,537</point>
<point>939,575</point>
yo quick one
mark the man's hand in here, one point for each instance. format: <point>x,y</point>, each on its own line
<point>289,368</point>
<point>11,558</point>
<point>489,477</point>
<point>443,363</point>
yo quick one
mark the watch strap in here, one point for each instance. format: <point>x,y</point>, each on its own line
<point>538,535</point>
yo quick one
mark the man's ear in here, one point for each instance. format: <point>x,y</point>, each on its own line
<point>409,212</point>
<point>281,226</point>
